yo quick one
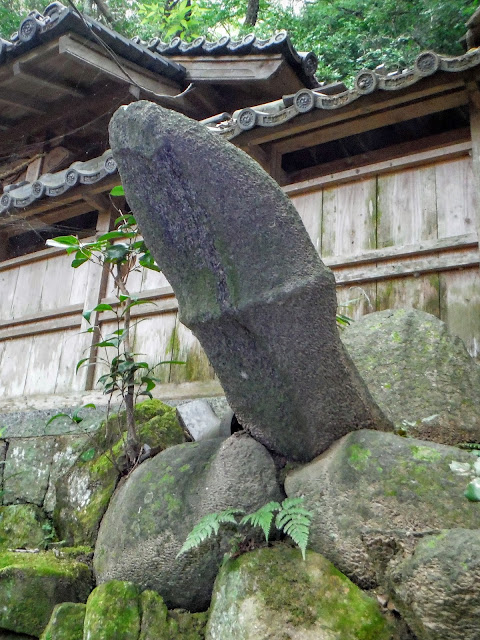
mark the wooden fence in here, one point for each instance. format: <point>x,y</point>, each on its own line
<point>396,234</point>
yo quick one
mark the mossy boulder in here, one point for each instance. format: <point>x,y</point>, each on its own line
<point>66,622</point>
<point>436,587</point>
<point>152,513</point>
<point>84,492</point>
<point>27,470</point>
<point>160,624</point>
<point>23,526</point>
<point>31,584</point>
<point>113,611</point>
<point>420,375</point>
<point>371,491</point>
<point>272,593</point>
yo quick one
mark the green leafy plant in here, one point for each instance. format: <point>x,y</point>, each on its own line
<point>122,251</point>
<point>290,517</point>
<point>74,417</point>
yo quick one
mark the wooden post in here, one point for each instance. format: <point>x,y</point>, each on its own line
<point>474,103</point>
<point>3,245</point>
<point>96,290</point>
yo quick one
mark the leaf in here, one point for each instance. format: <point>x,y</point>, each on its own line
<point>207,527</point>
<point>263,517</point>
<point>58,415</point>
<point>147,261</point>
<point>103,307</point>
<point>116,252</point>
<point>78,262</point>
<point>63,242</point>
<point>126,220</point>
<point>80,363</point>
<point>295,521</point>
<point>117,191</point>
<point>113,235</point>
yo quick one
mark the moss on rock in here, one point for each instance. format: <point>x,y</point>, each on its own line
<point>272,593</point>
<point>66,622</point>
<point>113,611</point>
<point>23,526</point>
<point>84,493</point>
<point>32,584</point>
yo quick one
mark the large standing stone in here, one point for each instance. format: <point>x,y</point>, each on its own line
<point>420,375</point>
<point>371,492</point>
<point>152,513</point>
<point>249,282</point>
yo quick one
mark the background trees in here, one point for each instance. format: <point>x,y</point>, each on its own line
<point>347,35</point>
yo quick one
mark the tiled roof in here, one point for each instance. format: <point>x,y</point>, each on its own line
<point>57,19</point>
<point>20,195</point>
<point>304,64</point>
<point>366,82</point>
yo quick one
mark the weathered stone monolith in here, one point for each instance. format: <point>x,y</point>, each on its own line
<point>249,282</point>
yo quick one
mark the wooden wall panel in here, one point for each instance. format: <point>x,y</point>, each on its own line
<point>74,348</point>
<point>43,365</point>
<point>356,301</point>
<point>189,350</point>
<point>455,197</point>
<point>410,293</point>
<point>15,366</point>
<point>28,290</point>
<point>460,306</point>
<point>57,283</point>
<point>349,218</point>
<point>154,338</point>
<point>309,207</point>
<point>8,284</point>
<point>406,207</point>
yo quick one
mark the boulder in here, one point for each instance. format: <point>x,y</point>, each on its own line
<point>371,491</point>
<point>248,280</point>
<point>437,588</point>
<point>83,493</point>
<point>273,594</point>
<point>23,526</point>
<point>199,420</point>
<point>66,622</point>
<point>31,584</point>
<point>420,375</point>
<point>113,612</point>
<point>160,624</point>
<point>155,509</point>
<point>27,470</point>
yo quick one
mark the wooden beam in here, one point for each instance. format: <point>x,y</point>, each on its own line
<point>386,166</point>
<point>30,223</point>
<point>369,104</point>
<point>457,260</point>
<point>35,78</point>
<point>393,152</point>
<point>96,290</point>
<point>45,326</point>
<point>466,241</point>
<point>230,69</point>
<point>40,316</point>
<point>90,55</point>
<point>375,121</point>
<point>16,99</point>
<point>99,202</point>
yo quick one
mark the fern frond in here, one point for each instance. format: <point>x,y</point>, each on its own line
<point>294,520</point>
<point>208,526</point>
<point>263,517</point>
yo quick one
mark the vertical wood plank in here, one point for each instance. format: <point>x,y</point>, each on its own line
<point>44,361</point>
<point>28,290</point>
<point>356,301</point>
<point>410,293</point>
<point>349,218</point>
<point>309,207</point>
<point>8,285</point>
<point>456,198</point>
<point>475,133</point>
<point>15,366</point>
<point>57,283</point>
<point>460,306</point>
<point>75,346</point>
<point>154,338</point>
<point>189,350</point>
<point>406,207</point>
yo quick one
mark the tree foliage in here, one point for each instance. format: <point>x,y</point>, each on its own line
<point>347,35</point>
